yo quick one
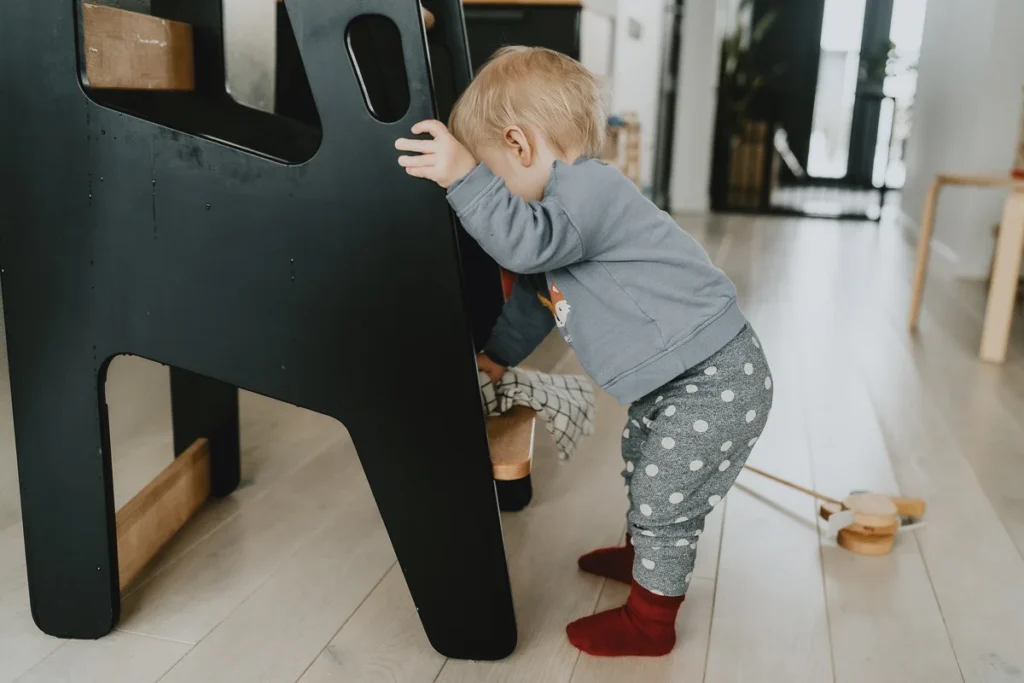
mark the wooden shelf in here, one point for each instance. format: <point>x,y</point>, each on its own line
<point>131,51</point>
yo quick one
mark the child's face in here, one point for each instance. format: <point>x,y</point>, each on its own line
<point>523,162</point>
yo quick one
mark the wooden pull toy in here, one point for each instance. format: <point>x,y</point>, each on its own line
<point>866,523</point>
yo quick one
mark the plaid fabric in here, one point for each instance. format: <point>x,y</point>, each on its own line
<point>565,403</point>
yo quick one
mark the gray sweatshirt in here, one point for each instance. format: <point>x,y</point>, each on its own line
<point>636,296</point>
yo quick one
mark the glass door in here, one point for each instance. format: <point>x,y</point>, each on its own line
<point>865,90</point>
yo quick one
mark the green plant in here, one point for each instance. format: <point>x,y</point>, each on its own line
<point>743,74</point>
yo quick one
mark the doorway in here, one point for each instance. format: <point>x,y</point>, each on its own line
<point>826,135</point>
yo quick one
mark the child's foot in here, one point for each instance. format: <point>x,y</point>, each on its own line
<point>612,563</point>
<point>644,627</point>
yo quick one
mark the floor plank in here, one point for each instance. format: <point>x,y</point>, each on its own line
<point>190,596</point>
<point>769,595</point>
<point>884,618</point>
<point>383,642</point>
<point>22,645</point>
<point>974,565</point>
<point>277,441</point>
<point>118,658</point>
<point>12,559</point>
<point>287,622</point>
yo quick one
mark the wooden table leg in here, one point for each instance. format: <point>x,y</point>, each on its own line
<point>1005,275</point>
<point>923,249</point>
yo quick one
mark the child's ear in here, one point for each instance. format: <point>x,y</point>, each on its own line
<point>518,142</point>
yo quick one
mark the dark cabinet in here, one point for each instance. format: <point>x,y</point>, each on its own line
<point>491,26</point>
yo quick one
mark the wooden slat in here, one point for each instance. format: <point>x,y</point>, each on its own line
<point>982,180</point>
<point>131,51</point>
<point>157,512</point>
<point>511,439</point>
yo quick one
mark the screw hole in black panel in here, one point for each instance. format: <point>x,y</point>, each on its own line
<point>375,48</point>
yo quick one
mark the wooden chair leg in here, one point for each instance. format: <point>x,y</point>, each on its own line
<point>923,249</point>
<point>1005,275</point>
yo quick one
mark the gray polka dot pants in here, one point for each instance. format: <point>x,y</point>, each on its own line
<point>684,445</point>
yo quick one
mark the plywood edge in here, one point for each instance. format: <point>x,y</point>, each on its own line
<point>132,51</point>
<point>511,441</point>
<point>149,520</point>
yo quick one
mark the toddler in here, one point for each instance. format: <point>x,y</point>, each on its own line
<point>648,315</point>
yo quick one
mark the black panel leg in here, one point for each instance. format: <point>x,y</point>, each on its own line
<point>203,407</point>
<point>67,500</point>
<point>430,473</point>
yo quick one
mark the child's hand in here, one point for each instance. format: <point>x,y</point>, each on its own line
<point>443,159</point>
<point>489,367</point>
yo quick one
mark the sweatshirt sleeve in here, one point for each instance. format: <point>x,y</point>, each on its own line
<point>523,237</point>
<point>522,326</point>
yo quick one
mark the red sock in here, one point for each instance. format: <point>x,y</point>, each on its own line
<point>644,627</point>
<point>612,563</point>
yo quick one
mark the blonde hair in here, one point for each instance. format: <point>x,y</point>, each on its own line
<point>541,90</point>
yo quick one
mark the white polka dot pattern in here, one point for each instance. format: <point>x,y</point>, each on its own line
<point>697,429</point>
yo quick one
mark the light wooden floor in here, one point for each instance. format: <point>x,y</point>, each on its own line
<point>293,578</point>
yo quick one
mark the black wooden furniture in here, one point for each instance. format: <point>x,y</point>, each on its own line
<point>491,24</point>
<point>288,257</point>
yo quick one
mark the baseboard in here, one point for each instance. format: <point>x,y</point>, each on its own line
<point>939,249</point>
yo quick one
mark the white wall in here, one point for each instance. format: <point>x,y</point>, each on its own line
<point>636,61</point>
<point>597,40</point>
<point>966,118</point>
<point>250,42</point>
<point>637,71</point>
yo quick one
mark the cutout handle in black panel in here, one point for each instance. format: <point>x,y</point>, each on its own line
<point>375,47</point>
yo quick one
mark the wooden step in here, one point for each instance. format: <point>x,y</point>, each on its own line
<point>132,51</point>
<point>149,520</point>
<point>511,439</point>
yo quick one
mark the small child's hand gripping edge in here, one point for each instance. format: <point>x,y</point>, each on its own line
<point>442,159</point>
